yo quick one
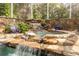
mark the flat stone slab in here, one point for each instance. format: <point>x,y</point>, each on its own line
<point>4,36</point>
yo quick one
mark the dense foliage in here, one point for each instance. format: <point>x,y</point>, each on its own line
<point>23,27</point>
<point>21,11</point>
<point>4,9</point>
<point>7,29</point>
<point>65,24</point>
<point>20,27</point>
<point>39,11</point>
<point>58,11</point>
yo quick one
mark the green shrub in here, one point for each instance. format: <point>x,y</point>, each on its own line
<point>23,27</point>
<point>7,29</point>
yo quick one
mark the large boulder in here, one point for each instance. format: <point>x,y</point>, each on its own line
<point>34,39</point>
<point>50,41</point>
<point>71,40</point>
<point>2,29</point>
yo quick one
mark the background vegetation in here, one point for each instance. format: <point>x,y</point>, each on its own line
<point>66,13</point>
<point>4,9</point>
<point>39,11</point>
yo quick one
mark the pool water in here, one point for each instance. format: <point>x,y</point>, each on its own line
<point>18,51</point>
<point>24,51</point>
<point>41,33</point>
<point>21,51</point>
<point>5,51</point>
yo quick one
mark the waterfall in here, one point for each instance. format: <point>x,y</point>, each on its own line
<point>26,51</point>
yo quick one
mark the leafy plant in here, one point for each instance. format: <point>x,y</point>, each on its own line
<point>20,27</point>
<point>7,29</point>
<point>23,27</point>
<point>4,9</point>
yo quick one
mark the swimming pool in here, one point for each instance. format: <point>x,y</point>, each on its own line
<point>26,51</point>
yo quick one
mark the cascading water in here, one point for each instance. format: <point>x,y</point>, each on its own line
<point>26,51</point>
